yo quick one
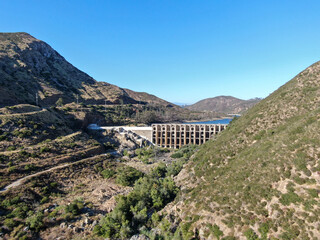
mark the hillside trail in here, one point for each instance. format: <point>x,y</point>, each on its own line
<point>24,179</point>
<point>25,113</point>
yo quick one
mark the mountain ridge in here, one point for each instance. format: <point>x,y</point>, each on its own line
<point>29,66</point>
<point>223,104</point>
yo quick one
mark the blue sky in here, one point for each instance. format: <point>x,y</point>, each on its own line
<point>182,51</point>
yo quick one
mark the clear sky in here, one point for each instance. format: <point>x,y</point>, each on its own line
<point>182,51</point>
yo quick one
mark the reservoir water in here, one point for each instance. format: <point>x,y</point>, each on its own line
<point>220,121</point>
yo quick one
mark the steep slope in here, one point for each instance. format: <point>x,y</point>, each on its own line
<point>142,97</point>
<point>261,176</point>
<point>29,66</point>
<point>224,104</point>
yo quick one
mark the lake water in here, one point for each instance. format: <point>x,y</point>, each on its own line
<point>220,121</point>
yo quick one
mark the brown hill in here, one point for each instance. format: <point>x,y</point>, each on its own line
<point>29,66</point>
<point>224,104</point>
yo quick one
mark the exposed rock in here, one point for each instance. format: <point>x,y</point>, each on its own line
<point>139,237</point>
<point>70,226</point>
<point>63,225</point>
<point>94,223</point>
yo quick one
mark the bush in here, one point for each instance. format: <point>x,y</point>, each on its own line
<point>10,223</point>
<point>35,222</point>
<point>75,207</point>
<point>108,173</point>
<point>127,176</point>
<point>251,235</point>
<point>289,197</point>
<point>159,171</point>
<point>10,202</point>
<point>216,231</point>
<point>29,167</point>
<point>24,153</point>
<point>177,155</point>
<point>11,148</point>
<point>3,158</point>
<point>132,211</point>
<point>59,102</point>
<point>174,168</point>
<point>264,229</point>
<point>53,184</point>
<point>12,169</point>
<point>3,137</point>
<point>313,192</point>
<point>44,200</point>
<point>20,212</point>
<point>145,153</point>
<point>185,151</point>
<point>44,149</point>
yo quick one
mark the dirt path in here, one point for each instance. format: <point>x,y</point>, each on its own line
<point>24,114</point>
<point>24,179</point>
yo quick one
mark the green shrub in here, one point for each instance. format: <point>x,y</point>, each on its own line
<point>10,202</point>
<point>3,158</point>
<point>159,171</point>
<point>35,222</point>
<point>59,102</point>
<point>11,148</point>
<point>289,197</point>
<point>177,155</point>
<point>264,229</point>
<point>20,212</point>
<point>185,151</point>
<point>216,231</point>
<point>313,193</point>
<point>131,212</point>
<point>108,173</point>
<point>45,149</point>
<point>24,153</point>
<point>12,169</point>
<point>127,176</point>
<point>10,223</point>
<point>3,137</point>
<point>251,235</point>
<point>44,200</point>
<point>125,152</point>
<point>174,168</point>
<point>75,207</point>
<point>29,167</point>
<point>53,184</point>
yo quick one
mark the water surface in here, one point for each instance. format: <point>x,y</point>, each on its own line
<point>220,121</point>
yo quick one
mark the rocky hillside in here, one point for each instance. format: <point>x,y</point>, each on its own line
<point>261,176</point>
<point>224,104</point>
<point>29,66</point>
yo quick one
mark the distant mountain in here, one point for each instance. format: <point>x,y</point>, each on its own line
<point>29,66</point>
<point>181,104</point>
<point>224,104</point>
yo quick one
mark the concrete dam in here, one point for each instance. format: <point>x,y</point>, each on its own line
<point>177,135</point>
<point>172,135</point>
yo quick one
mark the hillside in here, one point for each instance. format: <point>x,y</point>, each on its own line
<point>29,66</point>
<point>224,104</point>
<point>260,177</point>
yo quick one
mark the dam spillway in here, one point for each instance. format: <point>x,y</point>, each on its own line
<point>177,135</point>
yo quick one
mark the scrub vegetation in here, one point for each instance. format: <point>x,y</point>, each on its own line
<point>260,177</point>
